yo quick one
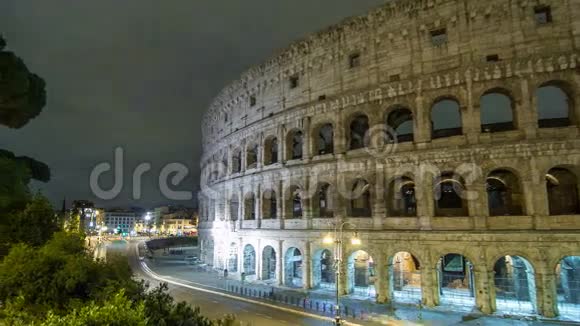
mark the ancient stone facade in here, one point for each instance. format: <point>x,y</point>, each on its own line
<point>445,131</point>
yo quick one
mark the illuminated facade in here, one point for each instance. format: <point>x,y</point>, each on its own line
<point>446,131</point>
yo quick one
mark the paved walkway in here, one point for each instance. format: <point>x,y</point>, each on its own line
<point>322,301</point>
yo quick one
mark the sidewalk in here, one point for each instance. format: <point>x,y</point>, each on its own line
<point>322,301</point>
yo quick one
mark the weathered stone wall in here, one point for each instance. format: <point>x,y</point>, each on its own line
<point>401,67</point>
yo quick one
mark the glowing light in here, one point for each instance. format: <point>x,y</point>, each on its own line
<point>355,241</point>
<point>328,239</point>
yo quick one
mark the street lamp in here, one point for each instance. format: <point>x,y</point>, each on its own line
<point>337,240</point>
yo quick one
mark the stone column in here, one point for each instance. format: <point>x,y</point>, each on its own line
<point>258,205</point>
<point>307,270</point>
<point>244,157</point>
<point>424,196</point>
<point>527,113</point>
<point>429,282</point>
<point>383,279</point>
<point>470,117</point>
<point>307,203</point>
<point>421,123</point>
<point>282,144</point>
<point>478,206</point>
<point>279,205</point>
<point>307,151</point>
<point>482,288</point>
<point>240,256</point>
<point>342,281</point>
<point>280,263</point>
<point>379,205</point>
<point>241,208</point>
<point>259,260</point>
<point>340,134</point>
<point>546,293</point>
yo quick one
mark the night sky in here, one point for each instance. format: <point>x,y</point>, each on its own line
<point>140,74</point>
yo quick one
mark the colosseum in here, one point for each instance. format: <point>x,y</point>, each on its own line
<point>441,135</point>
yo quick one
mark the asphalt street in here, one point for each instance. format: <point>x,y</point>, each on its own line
<point>216,306</point>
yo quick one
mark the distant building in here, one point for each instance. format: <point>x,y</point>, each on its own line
<point>85,209</point>
<point>122,221</point>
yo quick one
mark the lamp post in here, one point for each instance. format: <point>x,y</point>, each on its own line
<point>337,239</point>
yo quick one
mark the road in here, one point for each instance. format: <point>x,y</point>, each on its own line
<point>214,305</point>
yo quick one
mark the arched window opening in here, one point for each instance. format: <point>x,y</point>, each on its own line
<point>323,271</point>
<point>568,287</point>
<point>449,189</point>
<point>405,276</point>
<point>401,200</point>
<point>446,119</point>
<point>325,144</point>
<point>268,263</point>
<point>554,106</point>
<point>234,208</point>
<point>295,145</point>
<point>237,161</point>
<point>562,187</point>
<point>271,151</point>
<point>252,157</point>
<point>293,268</point>
<point>358,130</point>
<point>361,199</point>
<point>296,204</point>
<point>456,281</point>
<point>515,286</point>
<point>324,200</point>
<point>401,122</point>
<point>232,264</point>
<point>361,274</point>
<point>496,111</point>
<point>250,207</point>
<point>504,195</point>
<point>249,260</point>
<point>269,205</point>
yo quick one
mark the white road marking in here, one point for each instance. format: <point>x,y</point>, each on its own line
<point>152,274</point>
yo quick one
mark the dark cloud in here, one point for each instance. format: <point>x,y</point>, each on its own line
<point>139,74</point>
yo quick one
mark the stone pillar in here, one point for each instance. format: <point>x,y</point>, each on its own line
<point>527,113</point>
<point>259,260</point>
<point>478,206</point>
<point>383,279</point>
<point>307,205</point>
<point>421,123</point>
<point>307,151</point>
<point>279,205</point>
<point>241,209</point>
<point>282,144</point>
<point>470,117</point>
<point>482,286</point>
<point>424,196</point>
<point>546,293</point>
<point>342,281</point>
<point>307,270</point>
<point>429,286</point>
<point>379,205</point>
<point>258,205</point>
<point>340,134</point>
<point>240,256</point>
<point>244,157</point>
<point>280,263</point>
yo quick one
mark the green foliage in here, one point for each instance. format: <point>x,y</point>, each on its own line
<point>35,224</point>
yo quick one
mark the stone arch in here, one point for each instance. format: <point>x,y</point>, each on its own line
<point>249,206</point>
<point>361,200</point>
<point>236,160</point>
<point>234,207</point>
<point>294,205</point>
<point>293,274</point>
<point>361,275</point>
<point>497,110</point>
<point>449,191</point>
<point>555,104</point>
<point>271,150</point>
<point>504,193</point>
<point>323,138</point>
<point>401,200</point>
<point>249,262</point>
<point>358,128</point>
<point>269,204</point>
<point>252,156</point>
<point>446,118</point>
<point>324,200</point>
<point>268,263</point>
<point>405,278</point>
<point>323,269</point>
<point>232,264</point>
<point>295,144</point>
<point>562,189</point>
<point>456,280</point>
<point>515,286</point>
<point>568,287</point>
<point>400,119</point>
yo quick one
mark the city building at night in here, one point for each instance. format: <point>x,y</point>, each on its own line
<point>445,134</point>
